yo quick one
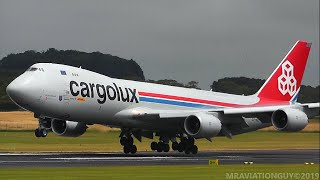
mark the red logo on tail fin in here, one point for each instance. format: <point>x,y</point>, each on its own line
<point>285,81</point>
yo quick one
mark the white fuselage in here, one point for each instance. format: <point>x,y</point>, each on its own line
<point>66,92</point>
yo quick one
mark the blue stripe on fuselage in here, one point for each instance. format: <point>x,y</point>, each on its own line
<point>177,103</point>
<point>294,99</point>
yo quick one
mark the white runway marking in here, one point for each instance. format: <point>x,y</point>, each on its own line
<point>31,161</point>
<point>46,154</point>
<point>125,158</point>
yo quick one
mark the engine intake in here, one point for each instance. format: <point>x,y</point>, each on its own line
<point>202,125</point>
<point>289,119</point>
<point>68,128</point>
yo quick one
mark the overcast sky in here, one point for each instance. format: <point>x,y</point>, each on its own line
<point>184,40</point>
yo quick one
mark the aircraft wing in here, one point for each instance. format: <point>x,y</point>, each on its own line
<point>311,109</point>
<point>148,114</point>
<point>234,120</point>
<point>145,113</point>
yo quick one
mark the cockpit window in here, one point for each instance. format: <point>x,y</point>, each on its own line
<point>33,69</point>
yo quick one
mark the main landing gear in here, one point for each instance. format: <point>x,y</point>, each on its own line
<point>128,146</point>
<point>126,141</point>
<point>186,145</point>
<point>160,146</point>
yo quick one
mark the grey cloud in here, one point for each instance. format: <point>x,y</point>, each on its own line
<point>183,40</point>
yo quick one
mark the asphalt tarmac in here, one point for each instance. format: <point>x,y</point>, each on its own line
<point>154,158</point>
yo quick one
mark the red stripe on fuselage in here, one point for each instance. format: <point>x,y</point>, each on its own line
<point>262,101</point>
<point>179,98</point>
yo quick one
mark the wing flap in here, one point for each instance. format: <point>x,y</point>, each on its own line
<point>309,107</point>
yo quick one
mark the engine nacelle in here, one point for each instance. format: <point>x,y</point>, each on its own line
<point>289,119</point>
<point>68,128</point>
<point>202,125</point>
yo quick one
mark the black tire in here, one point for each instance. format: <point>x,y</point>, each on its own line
<point>166,147</point>
<point>194,149</point>
<point>154,146</point>
<point>160,146</point>
<point>37,133</point>
<point>181,147</point>
<point>123,141</point>
<point>129,141</point>
<point>175,146</point>
<point>126,149</point>
<point>133,149</point>
<point>43,132</point>
<point>184,140</point>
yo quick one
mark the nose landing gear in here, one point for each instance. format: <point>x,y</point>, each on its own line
<point>44,126</point>
<point>40,132</point>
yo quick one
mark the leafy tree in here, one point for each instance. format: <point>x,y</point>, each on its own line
<point>172,82</point>
<point>169,82</point>
<point>192,84</point>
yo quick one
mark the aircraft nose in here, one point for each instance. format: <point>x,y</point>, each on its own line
<point>14,90</point>
<point>19,91</point>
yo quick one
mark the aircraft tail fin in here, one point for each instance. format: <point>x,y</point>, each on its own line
<point>284,83</point>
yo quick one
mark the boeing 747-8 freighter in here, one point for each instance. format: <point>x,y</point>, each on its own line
<point>67,99</point>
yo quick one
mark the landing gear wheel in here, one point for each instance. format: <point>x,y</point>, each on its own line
<point>129,141</point>
<point>166,147</point>
<point>133,149</point>
<point>154,146</point>
<point>126,149</point>
<point>175,146</point>
<point>180,147</point>
<point>123,141</point>
<point>194,149</point>
<point>160,147</point>
<point>37,133</point>
<point>126,141</point>
<point>43,132</point>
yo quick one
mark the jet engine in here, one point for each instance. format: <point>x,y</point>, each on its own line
<point>202,125</point>
<point>289,119</point>
<point>68,128</point>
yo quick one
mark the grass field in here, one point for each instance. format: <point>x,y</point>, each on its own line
<point>163,172</point>
<point>16,135</point>
<point>24,141</point>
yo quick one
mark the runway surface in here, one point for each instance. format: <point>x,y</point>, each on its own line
<point>154,158</point>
